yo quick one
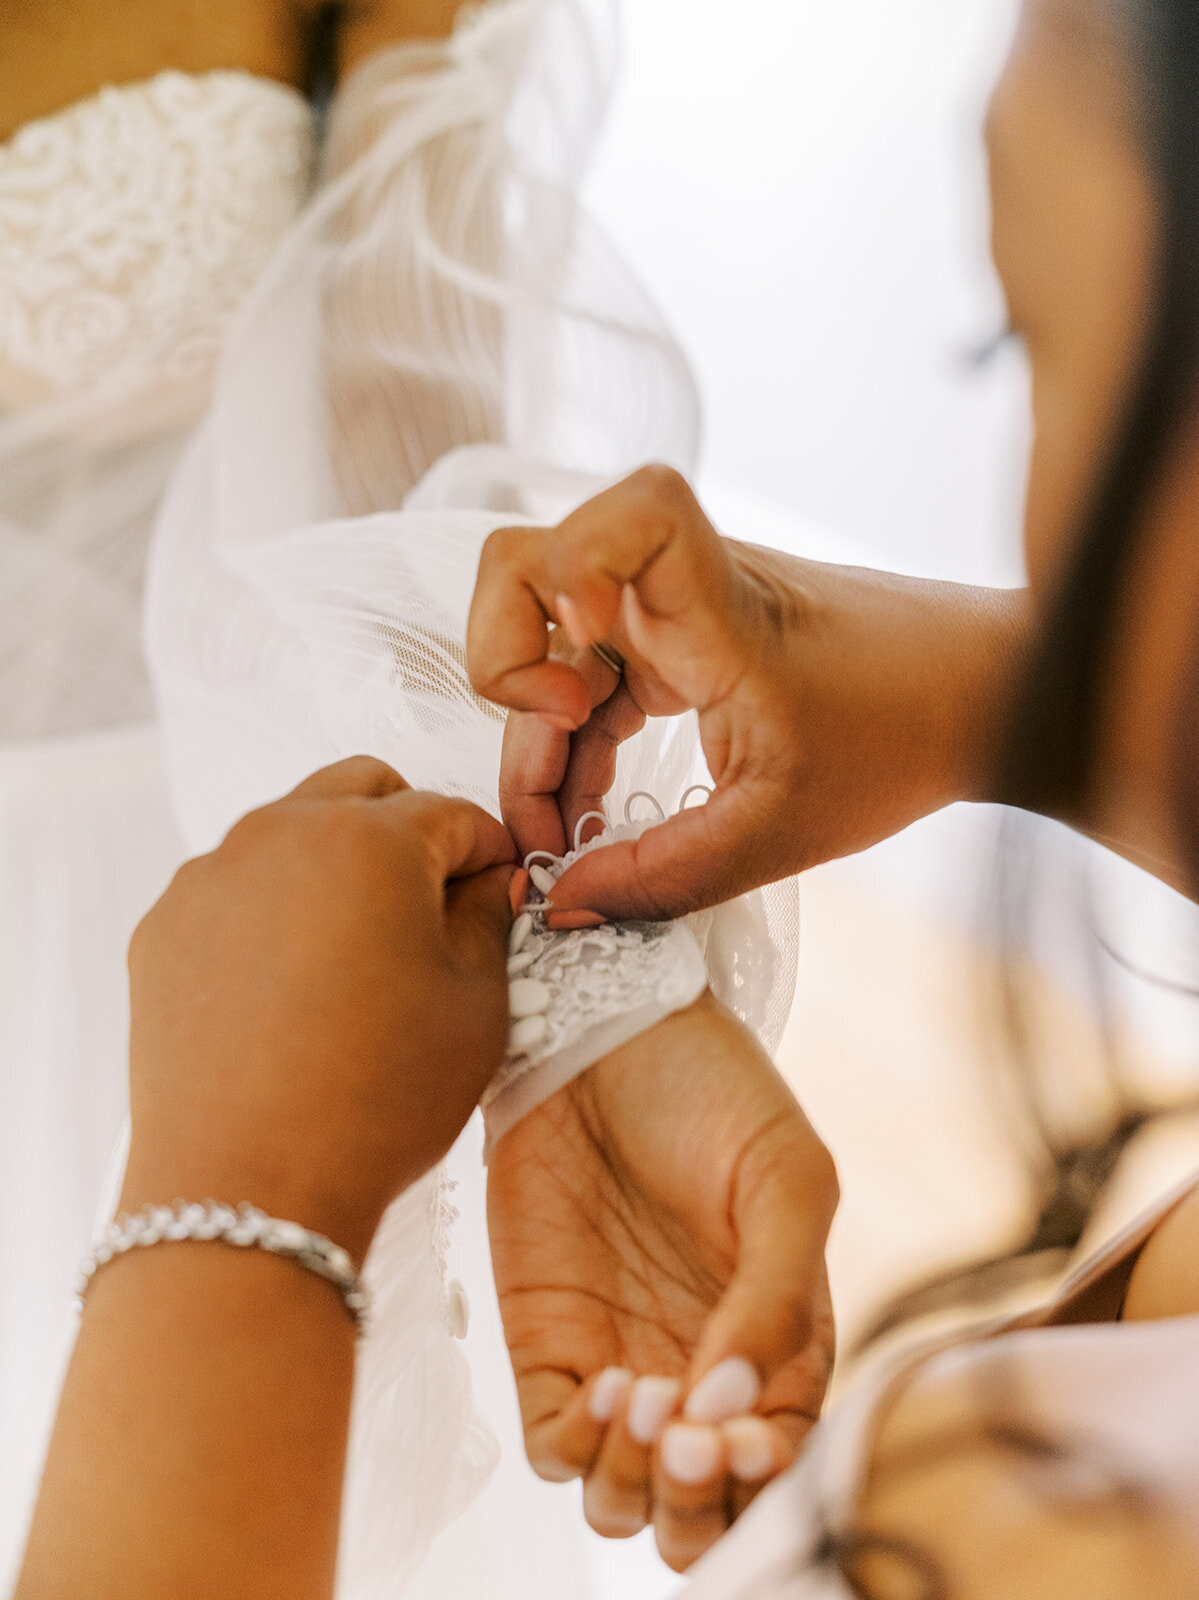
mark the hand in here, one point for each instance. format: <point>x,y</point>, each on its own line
<point>836,705</point>
<point>319,1003</point>
<point>662,1214</point>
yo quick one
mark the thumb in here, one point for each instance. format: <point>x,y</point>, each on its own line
<point>701,857</point>
<point>479,917</point>
<point>767,1317</point>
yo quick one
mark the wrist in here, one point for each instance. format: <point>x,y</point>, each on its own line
<point>997,627</point>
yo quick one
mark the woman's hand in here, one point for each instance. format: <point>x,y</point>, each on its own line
<point>836,705</point>
<point>317,1006</point>
<point>663,1214</point>
<point>319,1003</point>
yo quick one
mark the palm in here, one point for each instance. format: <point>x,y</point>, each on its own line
<point>617,1213</point>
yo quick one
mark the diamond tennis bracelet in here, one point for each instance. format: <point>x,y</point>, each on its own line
<point>244,1226</point>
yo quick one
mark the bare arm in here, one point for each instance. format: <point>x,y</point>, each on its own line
<point>316,1009</point>
<point>201,1438</point>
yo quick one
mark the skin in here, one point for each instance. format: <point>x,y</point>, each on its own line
<point>626,1234</point>
<point>56,54</point>
<point>316,1006</point>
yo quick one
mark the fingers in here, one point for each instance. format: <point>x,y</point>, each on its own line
<point>648,532</point>
<point>689,1488</point>
<point>479,916</point>
<point>549,777</point>
<point>565,1421</point>
<point>461,838</point>
<point>773,1319</point>
<point>507,639</point>
<point>616,1495</point>
<point>360,777</point>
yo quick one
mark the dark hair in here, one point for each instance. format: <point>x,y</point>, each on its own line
<point>1047,763</point>
<point>322,33</point>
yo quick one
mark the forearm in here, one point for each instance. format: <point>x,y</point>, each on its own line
<point>200,1442</point>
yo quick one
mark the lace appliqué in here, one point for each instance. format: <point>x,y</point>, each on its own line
<point>577,996</point>
<point>133,225</point>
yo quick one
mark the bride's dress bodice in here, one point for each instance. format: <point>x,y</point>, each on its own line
<point>131,228</point>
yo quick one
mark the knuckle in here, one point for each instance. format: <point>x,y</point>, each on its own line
<point>663,485</point>
<point>502,547</point>
<point>373,775</point>
<point>252,831</point>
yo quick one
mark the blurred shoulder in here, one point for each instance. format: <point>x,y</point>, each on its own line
<point>368,26</point>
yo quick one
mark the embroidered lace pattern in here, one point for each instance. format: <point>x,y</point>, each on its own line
<point>132,226</point>
<point>579,995</point>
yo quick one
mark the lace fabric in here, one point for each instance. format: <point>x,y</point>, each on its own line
<point>132,227</point>
<point>577,996</point>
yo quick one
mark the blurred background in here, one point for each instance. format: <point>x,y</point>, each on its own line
<point>802,187</point>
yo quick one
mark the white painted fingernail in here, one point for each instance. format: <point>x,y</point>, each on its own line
<point>751,1448</point>
<point>543,878</point>
<point>729,1390</point>
<point>652,1401</point>
<point>521,929</point>
<point>609,1390</point>
<point>690,1455</point>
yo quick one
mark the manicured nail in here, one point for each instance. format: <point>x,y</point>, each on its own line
<point>571,921</point>
<point>751,1448</point>
<point>651,1402</point>
<point>690,1455</point>
<point>607,1393</point>
<point>729,1390</point>
<point>558,720</point>
<point>571,619</point>
<point>543,878</point>
<point>517,890</point>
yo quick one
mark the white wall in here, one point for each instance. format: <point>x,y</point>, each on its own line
<point>801,184</point>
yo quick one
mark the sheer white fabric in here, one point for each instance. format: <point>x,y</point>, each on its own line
<point>446,334</point>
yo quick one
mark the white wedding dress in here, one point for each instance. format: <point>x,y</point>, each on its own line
<point>321,376</point>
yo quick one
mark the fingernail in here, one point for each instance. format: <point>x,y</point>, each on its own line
<point>542,878</point>
<point>517,890</point>
<point>571,619</point>
<point>651,1402</point>
<point>751,1448</point>
<point>729,1390</point>
<point>557,719</point>
<point>609,1390</point>
<point>690,1455</point>
<point>570,921</point>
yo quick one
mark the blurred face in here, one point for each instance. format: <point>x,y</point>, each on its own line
<point>1073,240</point>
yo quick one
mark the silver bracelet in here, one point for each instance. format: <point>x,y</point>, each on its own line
<point>244,1226</point>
